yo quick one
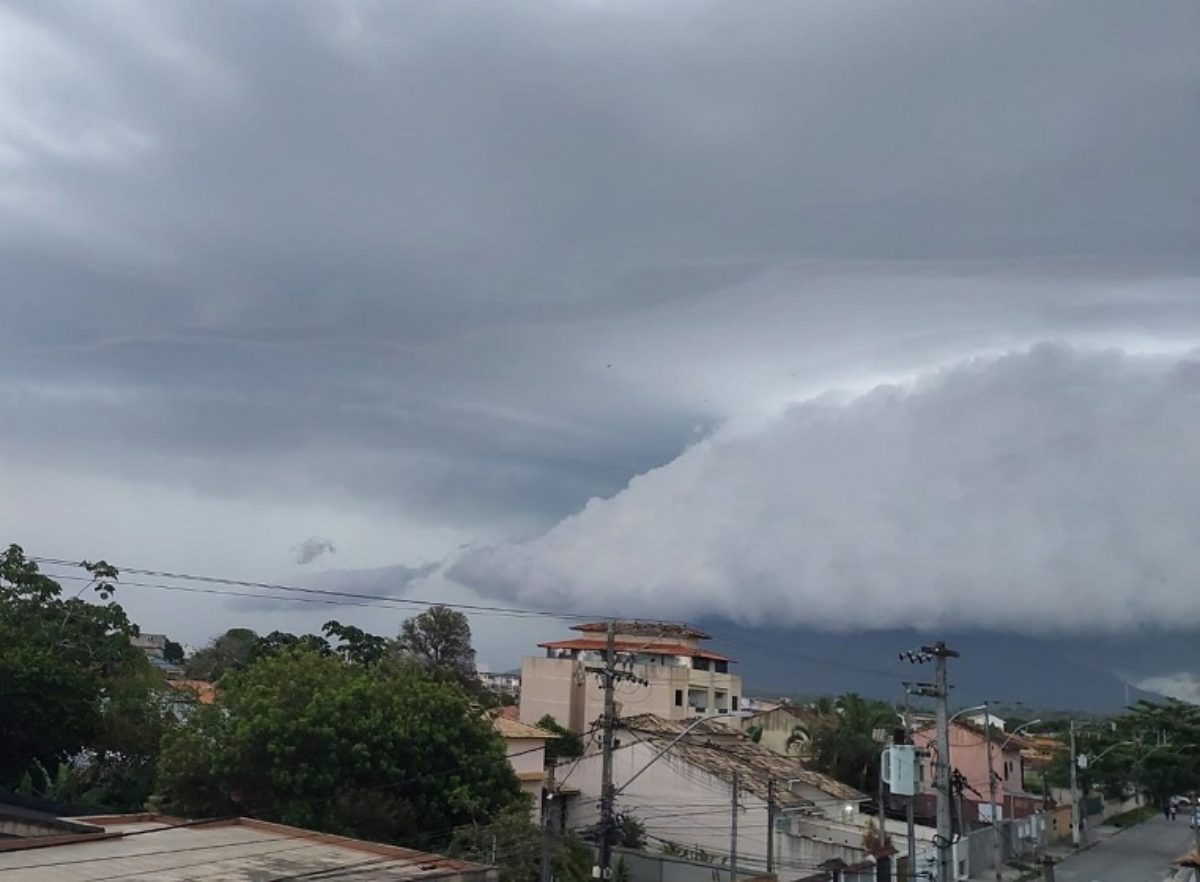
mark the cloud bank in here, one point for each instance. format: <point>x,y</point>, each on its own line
<point>1047,489</point>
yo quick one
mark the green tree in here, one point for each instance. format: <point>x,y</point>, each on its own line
<point>232,651</point>
<point>308,739</point>
<point>516,844</point>
<point>355,644</point>
<point>841,739</point>
<point>566,744</point>
<point>439,639</point>
<point>60,659</point>
<point>278,640</point>
<point>631,832</point>
<point>173,652</point>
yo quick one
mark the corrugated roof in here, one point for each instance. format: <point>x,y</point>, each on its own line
<point>598,644</point>
<point>242,850</point>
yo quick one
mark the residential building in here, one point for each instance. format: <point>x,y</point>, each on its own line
<point>682,678</point>
<point>684,798</point>
<point>776,727</point>
<point>525,746</point>
<point>236,850</point>
<point>969,756</point>
<point>187,694</point>
<point>151,644</point>
<point>505,684</point>
<point>982,718</point>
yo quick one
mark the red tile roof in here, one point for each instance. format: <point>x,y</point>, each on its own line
<point>641,628</point>
<point>599,645</point>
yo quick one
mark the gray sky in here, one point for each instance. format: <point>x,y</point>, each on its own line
<point>371,284</point>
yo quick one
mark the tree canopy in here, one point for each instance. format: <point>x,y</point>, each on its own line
<point>841,738</point>
<point>72,687</point>
<point>440,640</point>
<point>377,751</point>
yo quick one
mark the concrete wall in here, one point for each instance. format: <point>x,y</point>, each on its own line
<point>777,727</point>
<point>651,867</point>
<point>527,756</point>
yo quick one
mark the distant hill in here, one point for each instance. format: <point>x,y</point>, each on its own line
<point>1083,673</point>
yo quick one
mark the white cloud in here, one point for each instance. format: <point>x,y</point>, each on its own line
<point>1051,488</point>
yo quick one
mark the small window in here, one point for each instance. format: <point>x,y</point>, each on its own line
<point>733,702</point>
<point>679,698</point>
<point>721,667</point>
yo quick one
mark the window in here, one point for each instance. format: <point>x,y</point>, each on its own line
<point>721,667</point>
<point>679,698</point>
<point>700,664</point>
<point>733,703</point>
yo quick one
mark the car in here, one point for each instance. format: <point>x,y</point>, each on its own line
<point>1180,800</point>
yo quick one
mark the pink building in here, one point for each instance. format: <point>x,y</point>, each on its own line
<point>968,755</point>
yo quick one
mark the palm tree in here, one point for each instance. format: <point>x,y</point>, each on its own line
<point>842,738</point>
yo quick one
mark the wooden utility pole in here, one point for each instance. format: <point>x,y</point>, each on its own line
<point>770,826</point>
<point>607,796</point>
<point>733,837</point>
<point>548,824</point>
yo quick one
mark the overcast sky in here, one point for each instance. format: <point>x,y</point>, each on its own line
<point>585,304</point>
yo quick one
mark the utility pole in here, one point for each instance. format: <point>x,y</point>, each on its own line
<point>607,796</point>
<point>1076,808</point>
<point>909,813</point>
<point>733,869</point>
<point>987,729</point>
<point>547,823</point>
<point>771,826</point>
<point>939,653</point>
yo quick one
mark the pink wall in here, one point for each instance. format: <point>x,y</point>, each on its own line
<point>968,754</point>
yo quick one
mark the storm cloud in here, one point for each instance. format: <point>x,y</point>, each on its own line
<point>425,275</point>
<point>1052,490</point>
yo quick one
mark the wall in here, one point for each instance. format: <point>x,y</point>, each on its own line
<point>777,727</point>
<point>651,867</point>
<point>685,805</point>
<point>527,756</point>
<point>968,754</point>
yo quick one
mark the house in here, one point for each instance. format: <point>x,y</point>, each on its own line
<point>969,756</point>
<point>186,694</point>
<point>233,850</point>
<point>684,798</point>
<point>680,678</point>
<point>504,684</point>
<point>985,718</point>
<point>151,644</point>
<point>525,746</point>
<point>775,728</point>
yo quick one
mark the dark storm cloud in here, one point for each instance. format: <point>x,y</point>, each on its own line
<point>482,262</point>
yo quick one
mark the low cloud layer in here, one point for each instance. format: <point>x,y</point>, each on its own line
<point>313,548</point>
<point>1050,489</point>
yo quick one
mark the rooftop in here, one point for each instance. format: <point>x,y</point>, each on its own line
<point>241,850</point>
<point>203,691</point>
<point>599,644</point>
<point>510,728</point>
<point>652,724</point>
<point>646,628</point>
<point>755,764</point>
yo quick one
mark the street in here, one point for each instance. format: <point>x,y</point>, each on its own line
<point>1139,854</point>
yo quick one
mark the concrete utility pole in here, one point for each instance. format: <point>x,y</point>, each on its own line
<point>733,831</point>
<point>940,692</point>
<point>770,826</point>
<point>987,729</point>
<point>548,825</point>
<point>1076,808</point>
<point>607,797</point>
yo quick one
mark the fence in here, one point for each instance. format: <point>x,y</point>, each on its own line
<point>1021,839</point>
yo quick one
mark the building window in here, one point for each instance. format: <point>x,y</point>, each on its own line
<point>733,703</point>
<point>679,698</point>
<point>721,667</point>
<point>700,664</point>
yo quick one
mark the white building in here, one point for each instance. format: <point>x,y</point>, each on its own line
<point>525,747</point>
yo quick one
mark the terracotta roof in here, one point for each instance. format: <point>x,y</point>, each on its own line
<point>204,692</point>
<point>652,724</point>
<point>511,711</point>
<point>756,765</point>
<point>516,729</point>
<point>599,645</point>
<point>644,628</point>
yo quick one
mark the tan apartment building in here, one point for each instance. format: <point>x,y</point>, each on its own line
<point>683,678</point>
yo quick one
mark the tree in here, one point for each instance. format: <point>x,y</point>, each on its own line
<point>841,742</point>
<point>59,660</point>
<point>355,644</point>
<point>310,740</point>
<point>516,844</point>
<point>565,745</point>
<point>440,640</point>
<point>278,640</point>
<point>631,832</point>
<point>232,651</point>
<point>173,652</point>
